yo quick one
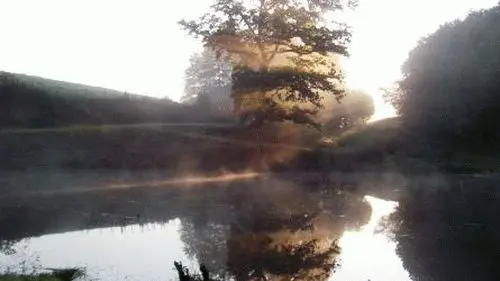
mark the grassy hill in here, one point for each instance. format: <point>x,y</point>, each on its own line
<point>53,124</point>
<point>61,88</point>
<point>85,127</point>
<point>34,102</point>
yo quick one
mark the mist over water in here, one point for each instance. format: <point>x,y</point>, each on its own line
<point>241,223</point>
<point>277,164</point>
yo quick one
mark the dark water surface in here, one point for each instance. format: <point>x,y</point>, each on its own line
<point>247,227</point>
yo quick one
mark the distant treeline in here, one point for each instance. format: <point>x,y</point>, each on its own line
<point>33,102</point>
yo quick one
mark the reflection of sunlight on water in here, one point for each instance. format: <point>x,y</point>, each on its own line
<point>128,253</point>
<point>147,252</point>
<point>188,180</point>
<point>367,255</point>
<point>183,181</point>
<point>194,180</point>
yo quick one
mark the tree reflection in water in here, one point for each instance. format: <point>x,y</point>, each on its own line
<point>271,227</point>
<point>207,244</point>
<point>451,233</point>
<point>7,247</point>
<point>279,233</point>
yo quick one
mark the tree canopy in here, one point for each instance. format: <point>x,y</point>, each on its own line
<point>450,87</point>
<point>281,52</point>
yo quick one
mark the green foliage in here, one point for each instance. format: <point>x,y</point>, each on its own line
<point>450,88</point>
<point>66,274</point>
<point>281,51</point>
<point>375,134</point>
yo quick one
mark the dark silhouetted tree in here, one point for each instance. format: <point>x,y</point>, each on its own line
<point>450,89</point>
<point>206,242</point>
<point>455,226</point>
<point>282,54</point>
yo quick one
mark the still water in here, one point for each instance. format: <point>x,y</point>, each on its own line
<point>142,252</point>
<point>270,228</point>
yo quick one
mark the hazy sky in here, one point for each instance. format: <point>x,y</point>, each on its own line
<point>137,46</point>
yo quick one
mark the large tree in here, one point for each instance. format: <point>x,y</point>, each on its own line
<point>281,52</point>
<point>450,89</point>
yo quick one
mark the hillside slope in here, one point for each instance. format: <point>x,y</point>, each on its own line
<point>34,102</point>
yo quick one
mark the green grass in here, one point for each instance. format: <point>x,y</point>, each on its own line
<point>384,145</point>
<point>111,127</point>
<point>369,136</point>
<point>67,274</point>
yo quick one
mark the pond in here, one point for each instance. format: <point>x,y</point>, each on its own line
<point>245,229</point>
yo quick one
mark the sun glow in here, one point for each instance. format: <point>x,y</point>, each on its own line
<point>137,46</point>
<point>384,31</point>
<point>369,250</point>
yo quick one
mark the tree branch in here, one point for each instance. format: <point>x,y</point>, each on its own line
<point>245,20</point>
<point>297,51</point>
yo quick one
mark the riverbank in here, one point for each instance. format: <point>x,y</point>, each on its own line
<point>381,146</point>
<point>67,274</point>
